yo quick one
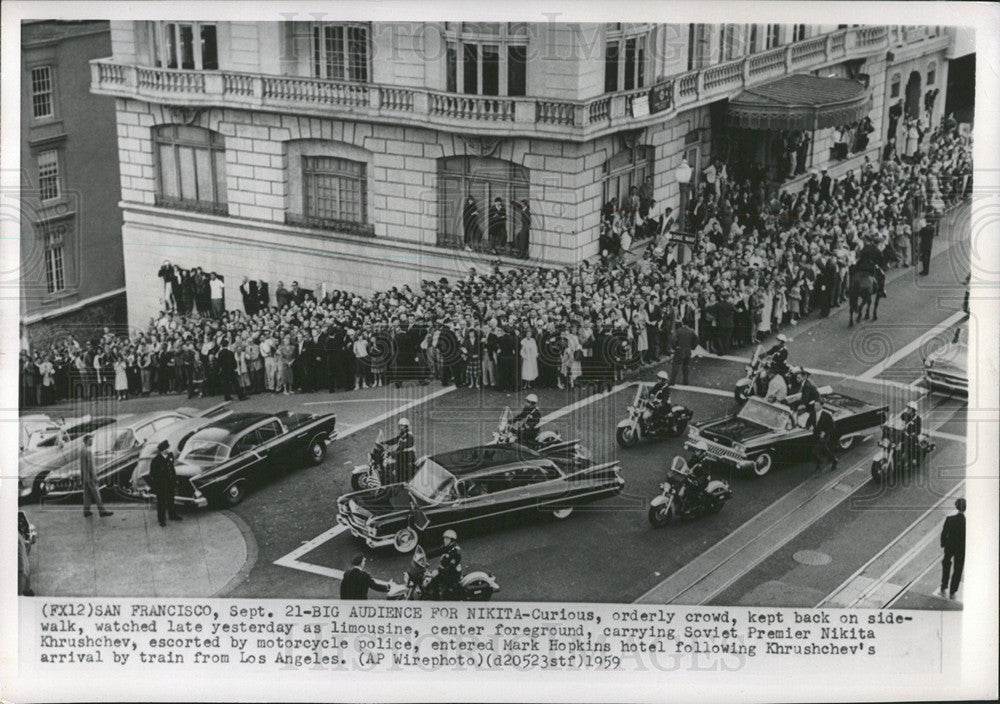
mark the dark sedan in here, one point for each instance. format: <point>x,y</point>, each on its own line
<point>475,486</point>
<point>763,434</point>
<point>222,460</point>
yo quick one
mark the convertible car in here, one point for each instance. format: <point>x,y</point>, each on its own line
<point>947,369</point>
<point>473,486</point>
<point>763,434</point>
<point>116,450</point>
<point>222,460</point>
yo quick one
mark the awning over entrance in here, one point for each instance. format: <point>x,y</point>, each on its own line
<point>800,102</point>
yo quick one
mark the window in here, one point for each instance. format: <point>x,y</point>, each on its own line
<point>191,168</point>
<point>340,52</point>
<point>41,92</point>
<point>698,42</point>
<point>625,58</point>
<point>55,273</point>
<point>185,45</point>
<point>627,168</point>
<point>244,444</point>
<point>727,42</point>
<point>268,432</point>
<point>931,73</point>
<point>483,180</point>
<point>485,58</point>
<point>771,36</point>
<point>334,191</point>
<point>894,88</point>
<point>48,175</point>
<point>143,433</point>
<point>798,32</point>
<point>752,47</point>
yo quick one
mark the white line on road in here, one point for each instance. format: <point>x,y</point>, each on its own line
<point>913,345</point>
<point>345,400</point>
<point>566,410</point>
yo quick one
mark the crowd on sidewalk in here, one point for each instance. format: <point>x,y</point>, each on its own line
<point>759,262</point>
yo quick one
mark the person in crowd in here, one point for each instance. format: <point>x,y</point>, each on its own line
<point>953,544</point>
<point>497,225</point>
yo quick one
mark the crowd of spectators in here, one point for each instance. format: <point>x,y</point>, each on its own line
<point>757,262</point>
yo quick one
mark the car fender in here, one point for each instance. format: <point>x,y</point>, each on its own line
<point>717,484</point>
<point>661,499</point>
<point>480,575</point>
<point>627,422</point>
<point>879,456</point>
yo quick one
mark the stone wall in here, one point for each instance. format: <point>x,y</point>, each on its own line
<point>82,324</point>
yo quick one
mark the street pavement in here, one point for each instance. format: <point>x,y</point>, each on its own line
<point>793,537</point>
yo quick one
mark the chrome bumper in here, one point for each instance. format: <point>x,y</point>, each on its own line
<point>370,540</point>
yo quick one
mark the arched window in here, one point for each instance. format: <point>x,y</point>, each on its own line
<point>191,168</point>
<point>483,179</point>
<point>627,169</point>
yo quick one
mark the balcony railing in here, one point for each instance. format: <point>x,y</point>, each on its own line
<point>484,115</point>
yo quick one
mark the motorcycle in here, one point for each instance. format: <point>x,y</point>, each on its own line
<point>641,421</point>
<point>892,454</point>
<point>380,470</point>
<point>679,500</point>
<point>509,433</point>
<point>419,584</point>
<point>754,372</point>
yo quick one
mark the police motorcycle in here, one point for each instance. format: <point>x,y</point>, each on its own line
<point>895,451</point>
<point>680,499</point>
<point>380,470</point>
<point>643,420</point>
<point>419,584</point>
<point>548,442</point>
<point>754,381</point>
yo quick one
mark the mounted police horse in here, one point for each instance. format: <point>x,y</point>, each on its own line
<point>863,293</point>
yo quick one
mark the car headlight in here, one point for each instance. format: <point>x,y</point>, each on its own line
<point>740,448</point>
<point>693,431</point>
<point>928,363</point>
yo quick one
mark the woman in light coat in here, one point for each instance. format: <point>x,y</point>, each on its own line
<point>529,359</point>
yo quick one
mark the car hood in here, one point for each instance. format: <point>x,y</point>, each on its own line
<point>734,429</point>
<point>30,463</point>
<point>379,502</point>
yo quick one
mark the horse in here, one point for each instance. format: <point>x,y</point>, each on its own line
<point>862,293</point>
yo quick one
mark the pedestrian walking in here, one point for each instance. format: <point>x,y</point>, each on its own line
<point>824,430</point>
<point>88,479</point>
<point>685,342</point>
<point>926,244</point>
<point>163,482</point>
<point>953,543</point>
<point>357,581</point>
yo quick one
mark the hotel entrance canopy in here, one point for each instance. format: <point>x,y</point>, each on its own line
<point>800,102</point>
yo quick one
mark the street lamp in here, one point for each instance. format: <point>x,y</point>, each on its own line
<point>683,175</point>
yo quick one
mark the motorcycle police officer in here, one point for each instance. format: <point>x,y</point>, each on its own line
<point>911,430</point>
<point>406,458</point>
<point>779,355</point>
<point>659,394</point>
<point>449,576</point>
<point>527,421</point>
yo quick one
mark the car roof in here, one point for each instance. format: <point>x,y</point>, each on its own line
<point>471,460</point>
<point>237,422</point>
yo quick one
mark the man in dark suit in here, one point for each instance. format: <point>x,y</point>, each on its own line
<point>825,187</point>
<point>451,354</point>
<point>357,581</point>
<point>163,481</point>
<point>926,244</point>
<point>823,435</point>
<point>723,312</point>
<point>953,542</point>
<point>248,291</point>
<point>826,283</point>
<point>685,342</point>
<point>315,362</point>
<point>226,362</point>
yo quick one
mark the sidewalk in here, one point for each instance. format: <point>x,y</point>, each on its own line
<point>130,555</point>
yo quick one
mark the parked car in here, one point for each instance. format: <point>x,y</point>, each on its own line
<point>40,431</point>
<point>947,368</point>
<point>116,450</point>
<point>223,459</point>
<point>54,452</point>
<point>764,434</point>
<point>177,435</point>
<point>474,486</point>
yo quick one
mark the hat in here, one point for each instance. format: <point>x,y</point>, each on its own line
<point>531,398</point>
<point>663,375</point>
<point>781,338</point>
<point>913,405</point>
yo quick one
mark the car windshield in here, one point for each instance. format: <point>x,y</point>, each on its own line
<point>757,411</point>
<point>205,451</point>
<point>432,482</point>
<point>106,439</point>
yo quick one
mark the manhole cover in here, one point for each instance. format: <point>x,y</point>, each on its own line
<point>811,557</point>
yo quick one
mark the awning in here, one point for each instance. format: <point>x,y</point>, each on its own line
<point>800,102</point>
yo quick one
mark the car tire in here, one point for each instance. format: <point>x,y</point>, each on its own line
<point>316,452</point>
<point>562,513</point>
<point>405,541</point>
<point>233,494</point>
<point>716,506</point>
<point>36,487</point>
<point>878,473</point>
<point>763,463</point>
<point>627,436</point>
<point>847,443</point>
<point>478,590</point>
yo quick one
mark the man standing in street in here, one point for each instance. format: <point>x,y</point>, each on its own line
<point>685,341</point>
<point>227,372</point>
<point>953,542</point>
<point>89,479</point>
<point>163,481</point>
<point>926,243</point>
<point>357,581</point>
<point>823,432</point>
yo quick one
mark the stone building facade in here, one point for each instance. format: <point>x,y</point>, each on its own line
<point>343,154</point>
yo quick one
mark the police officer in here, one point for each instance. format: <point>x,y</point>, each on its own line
<point>449,576</point>
<point>659,394</point>
<point>871,260</point>
<point>163,480</point>
<point>406,458</point>
<point>913,426</point>
<point>527,421</point>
